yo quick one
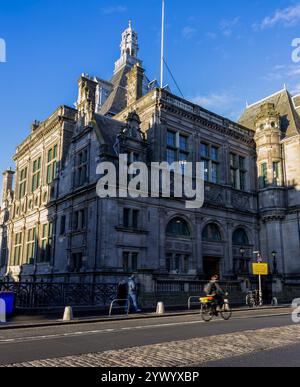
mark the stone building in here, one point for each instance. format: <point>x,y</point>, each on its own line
<point>55,228</point>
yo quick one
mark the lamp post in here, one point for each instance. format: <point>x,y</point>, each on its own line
<point>259,260</point>
<point>274,255</point>
<point>242,252</point>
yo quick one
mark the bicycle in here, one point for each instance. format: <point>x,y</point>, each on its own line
<point>253,300</point>
<point>209,309</point>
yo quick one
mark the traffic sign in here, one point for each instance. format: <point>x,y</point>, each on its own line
<point>260,269</point>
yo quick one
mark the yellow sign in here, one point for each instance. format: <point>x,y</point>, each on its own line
<point>260,269</point>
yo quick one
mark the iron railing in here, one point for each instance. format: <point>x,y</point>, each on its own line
<point>39,295</point>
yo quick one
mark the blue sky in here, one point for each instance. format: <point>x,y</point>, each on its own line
<point>222,52</point>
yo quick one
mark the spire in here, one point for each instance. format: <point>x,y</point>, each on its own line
<point>129,48</point>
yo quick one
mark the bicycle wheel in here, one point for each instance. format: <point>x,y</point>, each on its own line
<point>206,313</point>
<point>226,312</point>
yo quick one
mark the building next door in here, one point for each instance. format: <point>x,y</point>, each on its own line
<point>211,267</point>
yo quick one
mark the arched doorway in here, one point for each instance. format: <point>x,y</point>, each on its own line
<point>241,252</point>
<point>178,247</point>
<point>212,250</point>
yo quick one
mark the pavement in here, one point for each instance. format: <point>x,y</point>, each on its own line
<point>251,337</point>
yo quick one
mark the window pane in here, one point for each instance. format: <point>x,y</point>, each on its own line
<point>186,264</point>
<point>212,233</point>
<point>214,153</point>
<point>183,143</point>
<point>50,153</point>
<point>206,170</point>
<point>183,156</point>
<point>126,217</point>
<point>233,178</point>
<point>204,150</point>
<point>242,162</point>
<point>134,261</point>
<point>215,173</point>
<point>233,160</point>
<point>171,139</point>
<point>135,217</point>
<point>171,156</point>
<point>243,181</point>
<point>126,261</point>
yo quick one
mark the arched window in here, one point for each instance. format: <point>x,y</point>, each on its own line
<point>178,228</point>
<point>240,238</point>
<point>211,233</point>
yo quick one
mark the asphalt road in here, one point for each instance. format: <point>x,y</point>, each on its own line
<point>17,346</point>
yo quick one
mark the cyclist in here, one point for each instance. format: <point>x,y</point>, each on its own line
<point>213,289</point>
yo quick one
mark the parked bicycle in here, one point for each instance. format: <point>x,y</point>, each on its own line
<point>253,299</point>
<point>210,308</point>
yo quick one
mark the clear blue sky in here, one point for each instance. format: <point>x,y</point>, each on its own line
<point>222,52</point>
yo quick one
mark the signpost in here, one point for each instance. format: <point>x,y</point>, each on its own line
<point>260,269</point>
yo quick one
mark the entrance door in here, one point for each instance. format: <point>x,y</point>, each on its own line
<point>211,267</point>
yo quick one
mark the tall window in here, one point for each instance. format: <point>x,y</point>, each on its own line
<point>211,233</point>
<point>51,164</point>
<point>264,174</point>
<point>23,183</point>
<point>130,218</point>
<point>277,173</point>
<point>130,261</point>
<point>178,228</point>
<point>240,238</point>
<point>46,242</point>
<point>62,229</point>
<point>17,258</point>
<point>177,147</point>
<point>79,220</point>
<point>238,172</point>
<point>210,158</point>
<point>36,174</point>
<point>76,262</point>
<point>81,172</point>
<point>178,263</point>
<point>30,244</point>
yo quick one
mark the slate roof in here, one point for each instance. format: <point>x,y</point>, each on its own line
<point>107,130</point>
<point>284,105</point>
<point>117,100</point>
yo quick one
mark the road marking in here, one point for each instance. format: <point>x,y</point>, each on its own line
<point>125,329</point>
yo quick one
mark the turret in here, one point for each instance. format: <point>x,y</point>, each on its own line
<point>268,141</point>
<point>129,49</point>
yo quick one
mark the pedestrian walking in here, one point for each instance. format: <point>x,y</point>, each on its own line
<point>133,293</point>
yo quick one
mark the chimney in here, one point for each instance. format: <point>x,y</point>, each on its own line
<point>7,183</point>
<point>135,79</point>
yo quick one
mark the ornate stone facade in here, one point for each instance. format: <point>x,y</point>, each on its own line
<point>54,227</point>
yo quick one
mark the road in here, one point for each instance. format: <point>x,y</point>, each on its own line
<point>249,338</point>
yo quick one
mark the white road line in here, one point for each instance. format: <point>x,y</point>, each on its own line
<point>120,330</point>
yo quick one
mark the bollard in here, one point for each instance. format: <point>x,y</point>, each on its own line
<point>160,308</point>
<point>68,314</point>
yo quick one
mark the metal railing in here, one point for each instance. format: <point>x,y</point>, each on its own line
<point>120,307</point>
<point>41,295</point>
<point>190,302</point>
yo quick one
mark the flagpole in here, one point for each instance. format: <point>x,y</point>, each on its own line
<point>162,45</point>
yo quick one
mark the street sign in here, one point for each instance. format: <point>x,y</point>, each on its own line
<point>260,269</point>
